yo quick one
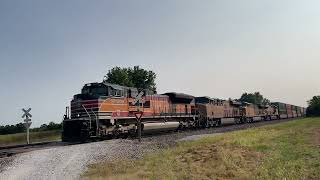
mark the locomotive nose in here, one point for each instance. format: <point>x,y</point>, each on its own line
<point>82,108</point>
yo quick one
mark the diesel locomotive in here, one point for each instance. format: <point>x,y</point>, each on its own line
<point>104,110</point>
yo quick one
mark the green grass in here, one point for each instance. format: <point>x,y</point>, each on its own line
<point>20,138</point>
<point>288,150</point>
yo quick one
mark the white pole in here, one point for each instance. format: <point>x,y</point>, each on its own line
<point>28,142</point>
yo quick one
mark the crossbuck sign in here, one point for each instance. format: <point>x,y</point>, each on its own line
<point>27,121</point>
<point>138,98</point>
<point>26,113</point>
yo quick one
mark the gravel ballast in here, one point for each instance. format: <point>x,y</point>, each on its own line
<point>69,162</point>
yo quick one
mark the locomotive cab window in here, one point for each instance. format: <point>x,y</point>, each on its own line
<point>147,104</point>
<point>95,90</point>
<point>117,93</point>
<point>99,90</point>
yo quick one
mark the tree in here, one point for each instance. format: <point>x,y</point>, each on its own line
<point>43,126</point>
<point>54,126</point>
<point>314,106</point>
<point>142,79</point>
<point>254,98</point>
<point>118,76</point>
<point>132,77</point>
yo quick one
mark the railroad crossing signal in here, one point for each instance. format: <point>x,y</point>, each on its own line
<point>139,113</point>
<point>27,121</point>
<point>26,113</point>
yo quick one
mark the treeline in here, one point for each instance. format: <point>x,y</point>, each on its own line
<point>314,106</point>
<point>12,129</point>
<point>19,128</point>
<point>48,127</point>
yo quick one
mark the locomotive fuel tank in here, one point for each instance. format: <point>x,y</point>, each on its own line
<point>160,126</point>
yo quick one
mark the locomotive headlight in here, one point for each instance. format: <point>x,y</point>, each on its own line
<point>119,126</point>
<point>78,115</point>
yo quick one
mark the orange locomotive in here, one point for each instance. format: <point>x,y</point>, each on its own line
<point>104,109</point>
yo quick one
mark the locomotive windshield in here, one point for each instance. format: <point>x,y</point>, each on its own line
<point>95,89</point>
<point>99,90</point>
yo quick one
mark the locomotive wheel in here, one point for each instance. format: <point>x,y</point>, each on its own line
<point>116,134</point>
<point>124,136</point>
<point>207,124</point>
<point>244,120</point>
<point>218,123</point>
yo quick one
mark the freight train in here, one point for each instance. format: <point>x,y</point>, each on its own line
<point>104,110</point>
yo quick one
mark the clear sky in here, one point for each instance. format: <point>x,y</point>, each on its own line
<point>49,49</point>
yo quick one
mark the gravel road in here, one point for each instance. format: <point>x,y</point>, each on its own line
<point>69,162</point>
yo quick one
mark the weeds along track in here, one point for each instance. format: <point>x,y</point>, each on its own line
<point>7,151</point>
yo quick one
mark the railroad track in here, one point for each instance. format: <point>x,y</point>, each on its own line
<point>8,151</point>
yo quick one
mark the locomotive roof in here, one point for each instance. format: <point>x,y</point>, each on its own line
<point>236,102</point>
<point>118,87</point>
<point>209,98</point>
<point>179,95</point>
<point>246,103</point>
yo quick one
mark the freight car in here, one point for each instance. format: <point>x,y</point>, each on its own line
<point>289,111</point>
<point>104,110</point>
<point>281,109</point>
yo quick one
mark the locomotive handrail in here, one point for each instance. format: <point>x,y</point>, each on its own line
<point>88,115</point>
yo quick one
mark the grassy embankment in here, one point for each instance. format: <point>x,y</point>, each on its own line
<point>20,138</point>
<point>289,150</point>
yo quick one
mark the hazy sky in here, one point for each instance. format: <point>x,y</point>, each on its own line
<point>49,49</point>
